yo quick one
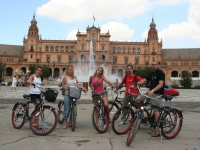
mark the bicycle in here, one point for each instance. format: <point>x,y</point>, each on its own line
<point>169,124</point>
<point>115,104</point>
<point>100,117</point>
<point>121,121</point>
<point>45,115</point>
<point>73,112</point>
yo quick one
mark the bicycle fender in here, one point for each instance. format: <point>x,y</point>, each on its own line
<point>21,103</point>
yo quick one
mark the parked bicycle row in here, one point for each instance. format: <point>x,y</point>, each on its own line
<point>125,115</point>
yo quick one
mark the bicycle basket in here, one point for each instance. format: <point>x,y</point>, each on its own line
<point>51,94</point>
<point>74,92</point>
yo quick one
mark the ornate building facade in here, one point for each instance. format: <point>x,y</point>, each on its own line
<point>114,55</point>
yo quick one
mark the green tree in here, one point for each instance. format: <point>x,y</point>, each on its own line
<point>2,68</point>
<point>32,68</point>
<point>186,79</point>
<point>46,72</point>
<point>143,72</point>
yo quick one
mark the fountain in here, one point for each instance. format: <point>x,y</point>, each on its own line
<point>83,72</point>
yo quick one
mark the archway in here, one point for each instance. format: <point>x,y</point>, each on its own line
<point>174,74</point>
<point>9,71</point>
<point>56,72</point>
<point>195,73</point>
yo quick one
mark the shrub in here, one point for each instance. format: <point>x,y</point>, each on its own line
<point>175,86</point>
<point>197,87</point>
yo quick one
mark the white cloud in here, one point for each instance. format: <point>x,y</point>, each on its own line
<point>72,35</point>
<point>182,30</point>
<point>117,30</point>
<point>170,2</point>
<point>78,10</point>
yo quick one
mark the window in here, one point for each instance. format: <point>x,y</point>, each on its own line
<point>114,49</point>
<point>126,60</point>
<point>103,58</point>
<point>82,47</point>
<point>115,60</point>
<point>56,48</point>
<point>102,47</point>
<point>129,50</point>
<point>67,49</point>
<point>52,48</point>
<point>47,48</point>
<point>119,50</point>
<point>124,50</point>
<point>70,59</point>
<point>31,55</point>
<point>62,49</point>
<point>59,58</point>
<point>133,50</point>
<point>72,49</point>
<point>138,50</point>
<point>137,60</point>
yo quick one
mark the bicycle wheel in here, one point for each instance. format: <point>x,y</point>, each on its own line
<point>18,116</point>
<point>113,108</point>
<point>60,112</point>
<point>121,121</point>
<point>171,124</point>
<point>133,130</point>
<point>73,117</point>
<point>100,119</point>
<point>45,119</point>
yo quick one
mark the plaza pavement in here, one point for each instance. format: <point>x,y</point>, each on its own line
<point>86,138</point>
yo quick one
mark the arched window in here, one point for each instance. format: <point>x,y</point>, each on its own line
<point>52,48</point>
<point>72,48</point>
<point>119,50</point>
<point>120,73</point>
<point>195,73</point>
<point>47,48</point>
<point>67,49</point>
<point>174,74</point>
<point>103,57</point>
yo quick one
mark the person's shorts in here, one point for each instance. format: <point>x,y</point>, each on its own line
<point>155,102</point>
<point>97,97</point>
<point>35,97</point>
<point>129,99</point>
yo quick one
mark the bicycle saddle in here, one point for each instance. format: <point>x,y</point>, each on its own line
<point>26,96</point>
<point>167,97</point>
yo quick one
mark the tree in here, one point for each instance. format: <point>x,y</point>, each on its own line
<point>32,68</point>
<point>143,72</point>
<point>186,79</point>
<point>2,68</point>
<point>46,72</point>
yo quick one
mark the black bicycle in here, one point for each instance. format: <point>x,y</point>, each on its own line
<point>44,115</point>
<point>169,124</point>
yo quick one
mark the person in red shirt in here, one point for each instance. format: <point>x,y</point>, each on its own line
<point>128,80</point>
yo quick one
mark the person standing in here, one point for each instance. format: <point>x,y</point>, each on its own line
<point>68,80</point>
<point>0,82</point>
<point>35,91</point>
<point>14,83</point>
<point>157,82</point>
<point>128,80</point>
<point>96,85</point>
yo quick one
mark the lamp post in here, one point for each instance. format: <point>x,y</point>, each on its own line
<point>48,60</point>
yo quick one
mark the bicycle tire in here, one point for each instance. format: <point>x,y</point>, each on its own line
<point>113,108</point>
<point>73,117</point>
<point>47,120</point>
<point>100,120</point>
<point>122,120</point>
<point>133,130</point>
<point>18,116</point>
<point>171,123</point>
<point>60,112</point>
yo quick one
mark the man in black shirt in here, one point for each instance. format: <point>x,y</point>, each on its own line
<point>157,82</point>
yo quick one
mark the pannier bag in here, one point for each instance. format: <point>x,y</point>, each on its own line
<point>74,92</point>
<point>51,94</point>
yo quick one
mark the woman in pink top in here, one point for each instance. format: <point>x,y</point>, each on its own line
<point>96,85</point>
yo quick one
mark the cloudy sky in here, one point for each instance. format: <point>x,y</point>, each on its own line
<point>177,21</point>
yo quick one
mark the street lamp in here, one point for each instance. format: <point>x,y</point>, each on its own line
<point>48,60</point>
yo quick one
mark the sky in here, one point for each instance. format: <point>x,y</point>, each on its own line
<point>177,21</point>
